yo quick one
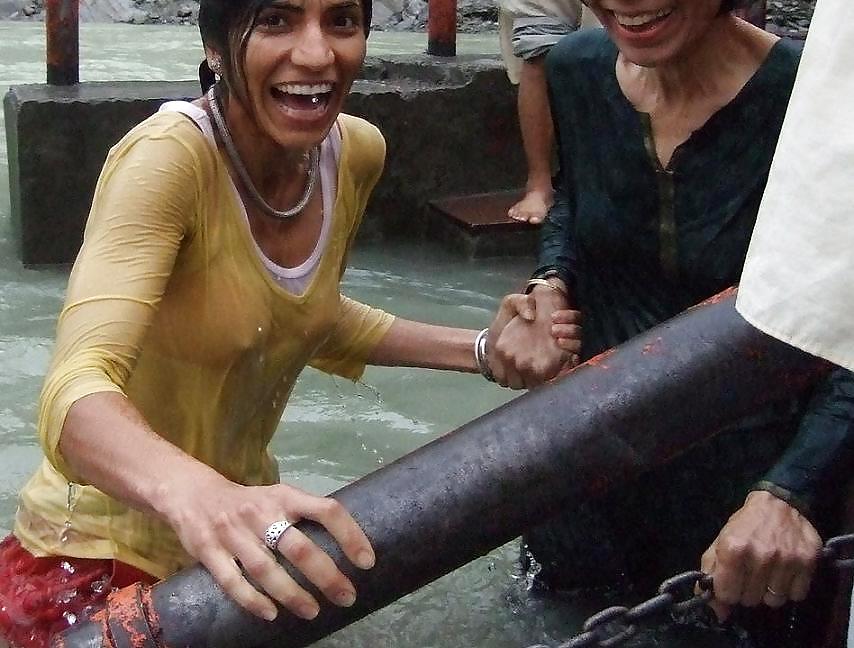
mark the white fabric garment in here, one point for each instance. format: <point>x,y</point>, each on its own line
<point>798,280</point>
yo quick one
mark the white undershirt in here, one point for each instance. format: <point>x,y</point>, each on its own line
<point>296,279</point>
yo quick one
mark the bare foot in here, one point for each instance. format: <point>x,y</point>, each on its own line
<point>533,207</point>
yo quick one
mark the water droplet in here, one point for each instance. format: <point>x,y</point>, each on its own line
<point>66,596</point>
<point>67,566</point>
<point>71,497</point>
<point>70,617</point>
<point>100,585</point>
<point>63,537</point>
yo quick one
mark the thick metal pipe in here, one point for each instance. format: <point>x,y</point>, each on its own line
<point>62,22</point>
<point>619,414</point>
<point>442,27</point>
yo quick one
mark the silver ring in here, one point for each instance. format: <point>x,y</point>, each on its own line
<point>274,533</point>
<point>772,592</point>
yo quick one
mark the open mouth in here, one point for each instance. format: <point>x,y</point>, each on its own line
<point>644,22</point>
<point>303,96</point>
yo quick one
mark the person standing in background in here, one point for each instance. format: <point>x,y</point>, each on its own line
<point>528,29</point>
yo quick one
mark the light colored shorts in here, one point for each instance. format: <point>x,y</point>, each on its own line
<point>530,28</point>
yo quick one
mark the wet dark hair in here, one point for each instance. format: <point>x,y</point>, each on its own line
<point>226,25</point>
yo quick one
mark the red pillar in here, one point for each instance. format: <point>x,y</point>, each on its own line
<point>62,21</point>
<point>442,27</point>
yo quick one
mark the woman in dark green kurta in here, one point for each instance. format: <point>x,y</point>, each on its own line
<point>638,243</point>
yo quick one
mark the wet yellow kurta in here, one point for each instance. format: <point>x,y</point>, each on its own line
<point>170,304</point>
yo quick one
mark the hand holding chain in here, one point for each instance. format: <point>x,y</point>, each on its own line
<point>612,626</point>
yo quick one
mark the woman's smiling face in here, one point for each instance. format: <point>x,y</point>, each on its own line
<point>300,60</point>
<point>652,32</point>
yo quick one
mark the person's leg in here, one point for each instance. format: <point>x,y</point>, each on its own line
<point>535,122</point>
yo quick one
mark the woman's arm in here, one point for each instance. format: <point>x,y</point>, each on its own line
<point>768,551</point>
<point>557,252</point>
<point>220,523</point>
<point>526,351</point>
<point>821,452</point>
<point>416,344</point>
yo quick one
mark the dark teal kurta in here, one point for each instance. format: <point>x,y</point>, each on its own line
<point>641,243</point>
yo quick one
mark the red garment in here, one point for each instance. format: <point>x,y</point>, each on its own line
<point>42,596</point>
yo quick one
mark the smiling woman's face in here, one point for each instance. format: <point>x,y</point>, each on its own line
<point>655,32</point>
<point>300,60</point>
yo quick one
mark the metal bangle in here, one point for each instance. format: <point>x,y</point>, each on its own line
<point>548,284</point>
<point>480,355</point>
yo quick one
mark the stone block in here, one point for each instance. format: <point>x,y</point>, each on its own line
<point>451,129</point>
<point>57,139</point>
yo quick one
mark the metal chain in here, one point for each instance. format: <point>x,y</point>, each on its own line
<point>676,597</point>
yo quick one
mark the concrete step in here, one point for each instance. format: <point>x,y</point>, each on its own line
<point>477,225</point>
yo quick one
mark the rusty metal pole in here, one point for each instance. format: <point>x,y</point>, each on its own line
<point>442,27</point>
<point>618,415</point>
<point>62,22</point>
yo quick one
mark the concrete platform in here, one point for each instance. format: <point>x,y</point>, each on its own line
<point>450,127</point>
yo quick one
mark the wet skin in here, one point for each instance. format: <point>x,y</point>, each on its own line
<point>301,59</point>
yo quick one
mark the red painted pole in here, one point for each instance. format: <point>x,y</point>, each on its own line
<point>62,21</point>
<point>442,27</point>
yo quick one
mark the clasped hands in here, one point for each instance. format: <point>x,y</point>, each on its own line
<point>533,338</point>
<point>766,553</point>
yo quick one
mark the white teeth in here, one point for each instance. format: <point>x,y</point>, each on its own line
<point>304,89</point>
<point>641,19</point>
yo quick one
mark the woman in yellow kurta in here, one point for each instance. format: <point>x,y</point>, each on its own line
<point>208,279</point>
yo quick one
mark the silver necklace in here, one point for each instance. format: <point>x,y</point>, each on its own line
<point>312,172</point>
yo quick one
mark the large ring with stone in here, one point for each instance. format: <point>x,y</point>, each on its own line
<point>274,533</point>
